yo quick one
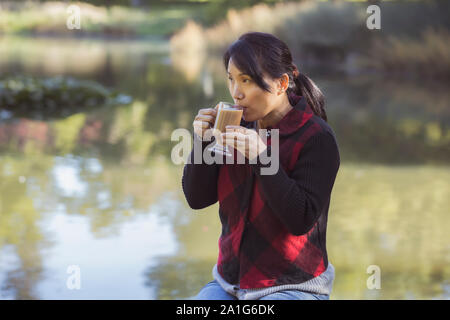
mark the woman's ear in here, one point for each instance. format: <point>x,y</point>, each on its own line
<point>283,83</point>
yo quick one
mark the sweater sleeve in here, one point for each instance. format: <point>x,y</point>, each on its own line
<point>300,198</point>
<point>199,181</point>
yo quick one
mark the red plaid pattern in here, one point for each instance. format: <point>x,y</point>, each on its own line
<point>256,249</point>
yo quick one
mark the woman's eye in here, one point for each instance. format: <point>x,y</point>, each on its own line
<point>245,80</point>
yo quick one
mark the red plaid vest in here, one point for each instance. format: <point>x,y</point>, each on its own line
<point>256,247</point>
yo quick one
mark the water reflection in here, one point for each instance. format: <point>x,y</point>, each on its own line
<point>396,218</point>
<point>111,266</point>
<point>97,189</point>
<point>79,218</point>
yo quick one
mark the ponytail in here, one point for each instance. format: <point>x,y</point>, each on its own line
<point>304,86</point>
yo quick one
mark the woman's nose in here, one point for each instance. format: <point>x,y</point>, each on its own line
<point>237,94</point>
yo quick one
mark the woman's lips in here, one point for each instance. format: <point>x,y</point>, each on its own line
<point>243,108</point>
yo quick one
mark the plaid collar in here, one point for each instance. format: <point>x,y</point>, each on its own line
<point>293,120</point>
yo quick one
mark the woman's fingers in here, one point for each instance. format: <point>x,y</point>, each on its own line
<point>208,111</point>
<point>205,117</point>
<point>201,124</point>
<point>245,140</point>
<point>236,138</point>
<point>204,120</point>
<point>235,135</point>
<point>236,129</point>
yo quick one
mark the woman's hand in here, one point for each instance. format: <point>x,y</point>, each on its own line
<point>204,120</point>
<point>246,141</point>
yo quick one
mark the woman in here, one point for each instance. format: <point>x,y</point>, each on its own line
<point>272,244</point>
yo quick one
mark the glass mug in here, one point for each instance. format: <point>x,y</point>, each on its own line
<point>227,115</point>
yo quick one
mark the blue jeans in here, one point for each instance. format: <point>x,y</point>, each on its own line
<point>213,291</point>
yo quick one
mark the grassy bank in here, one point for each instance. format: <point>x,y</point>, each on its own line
<point>50,18</point>
<point>412,42</point>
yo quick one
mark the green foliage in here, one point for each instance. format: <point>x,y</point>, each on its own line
<point>428,56</point>
<point>56,97</point>
<point>216,11</point>
<point>119,18</point>
<point>325,30</point>
<point>112,21</point>
<point>411,18</point>
<point>334,34</point>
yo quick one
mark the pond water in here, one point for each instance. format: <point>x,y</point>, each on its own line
<point>98,190</point>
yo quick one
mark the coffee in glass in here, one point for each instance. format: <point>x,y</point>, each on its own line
<point>227,115</point>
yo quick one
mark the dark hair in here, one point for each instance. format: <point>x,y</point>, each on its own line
<point>257,52</point>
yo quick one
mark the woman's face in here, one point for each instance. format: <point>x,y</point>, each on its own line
<point>256,102</point>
